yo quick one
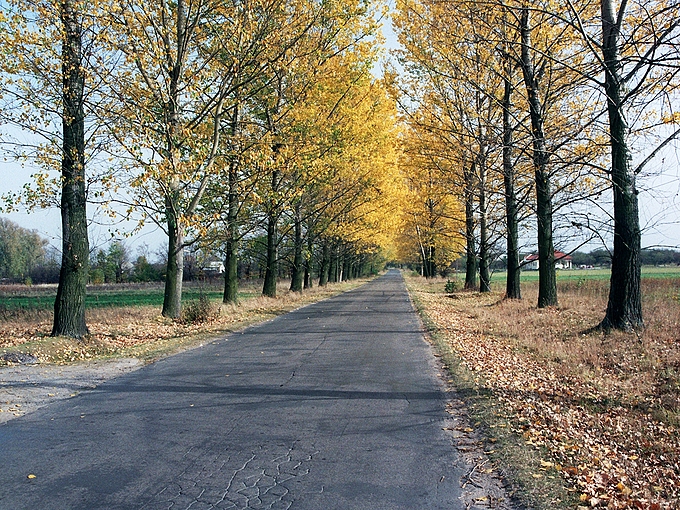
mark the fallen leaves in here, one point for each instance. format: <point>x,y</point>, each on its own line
<point>140,331</point>
<point>598,418</point>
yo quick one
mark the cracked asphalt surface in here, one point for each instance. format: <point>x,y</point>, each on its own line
<point>334,406</point>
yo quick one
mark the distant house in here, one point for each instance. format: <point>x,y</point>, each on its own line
<point>562,261</point>
<point>214,267</point>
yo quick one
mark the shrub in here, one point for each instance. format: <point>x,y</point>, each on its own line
<point>198,310</point>
<point>451,286</point>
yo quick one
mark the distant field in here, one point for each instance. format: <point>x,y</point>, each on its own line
<point>42,298</point>
<point>591,274</point>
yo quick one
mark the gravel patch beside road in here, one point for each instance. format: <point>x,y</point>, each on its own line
<point>25,388</point>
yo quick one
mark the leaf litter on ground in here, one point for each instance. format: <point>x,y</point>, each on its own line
<point>604,408</point>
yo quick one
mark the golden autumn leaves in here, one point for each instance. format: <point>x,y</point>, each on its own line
<point>268,103</point>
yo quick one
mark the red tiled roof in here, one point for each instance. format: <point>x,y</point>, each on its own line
<point>558,256</point>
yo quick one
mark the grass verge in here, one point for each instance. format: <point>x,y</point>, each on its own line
<point>523,469</point>
<point>140,331</point>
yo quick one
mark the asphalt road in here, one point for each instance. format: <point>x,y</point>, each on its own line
<point>334,406</point>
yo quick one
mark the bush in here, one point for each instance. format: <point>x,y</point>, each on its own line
<point>199,310</point>
<point>96,276</point>
<point>451,286</point>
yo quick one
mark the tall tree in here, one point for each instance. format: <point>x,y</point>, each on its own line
<point>512,282</point>
<point>45,87</point>
<point>187,65</point>
<point>69,306</point>
<point>547,280</point>
<point>637,53</point>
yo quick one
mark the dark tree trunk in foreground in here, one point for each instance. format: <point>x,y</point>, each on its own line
<point>172,299</point>
<point>231,256</point>
<point>230,294</point>
<point>547,282</point>
<point>174,272</point>
<point>624,309</point>
<point>470,250</point>
<point>69,306</point>
<point>512,283</point>
<point>271,271</point>
<point>272,265</point>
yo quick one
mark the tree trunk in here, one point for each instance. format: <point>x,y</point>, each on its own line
<point>324,270</point>
<point>297,277</point>
<point>470,249</point>
<point>624,308</point>
<point>231,255</point>
<point>547,281</point>
<point>346,274</point>
<point>430,264</point>
<point>512,284</point>
<point>484,277</point>
<point>334,275</point>
<point>309,259</point>
<point>69,306</point>
<point>307,283</point>
<point>172,299</point>
<point>231,272</point>
<point>272,266</point>
<point>272,261</point>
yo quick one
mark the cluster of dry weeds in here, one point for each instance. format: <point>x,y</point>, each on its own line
<point>604,408</point>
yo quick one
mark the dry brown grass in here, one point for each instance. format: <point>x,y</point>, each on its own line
<point>141,331</point>
<point>605,409</point>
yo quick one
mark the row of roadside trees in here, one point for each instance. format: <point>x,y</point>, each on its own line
<point>536,113</point>
<point>220,121</point>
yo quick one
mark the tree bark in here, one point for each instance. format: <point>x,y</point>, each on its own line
<point>484,277</point>
<point>325,268</point>
<point>430,263</point>
<point>470,249</point>
<point>174,272</point>
<point>272,260</point>
<point>309,261</point>
<point>231,256</point>
<point>336,268</point>
<point>297,276</point>
<point>547,281</point>
<point>624,307</point>
<point>512,284</point>
<point>172,299</point>
<point>346,274</point>
<point>272,266</point>
<point>69,306</point>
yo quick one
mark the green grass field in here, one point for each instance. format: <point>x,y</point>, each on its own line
<point>590,274</point>
<point>34,298</point>
<point>42,298</point>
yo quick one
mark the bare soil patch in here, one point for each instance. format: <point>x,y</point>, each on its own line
<point>25,388</point>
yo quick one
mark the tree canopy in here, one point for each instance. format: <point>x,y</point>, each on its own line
<point>259,132</point>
